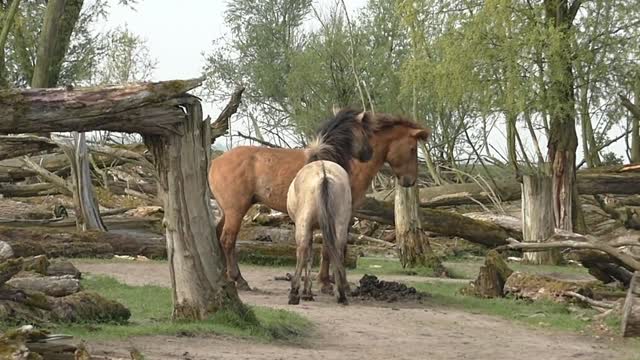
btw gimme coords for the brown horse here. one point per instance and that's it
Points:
(320, 197)
(247, 175)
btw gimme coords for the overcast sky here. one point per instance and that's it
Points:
(178, 32)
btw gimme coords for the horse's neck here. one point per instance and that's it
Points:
(364, 172)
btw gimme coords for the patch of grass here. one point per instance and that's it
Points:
(539, 313)
(151, 307)
(385, 266)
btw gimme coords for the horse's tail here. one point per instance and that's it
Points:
(327, 224)
(318, 149)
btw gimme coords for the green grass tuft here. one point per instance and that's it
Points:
(151, 307)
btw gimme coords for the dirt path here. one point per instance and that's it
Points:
(358, 331)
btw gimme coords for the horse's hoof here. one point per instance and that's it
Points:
(243, 285)
(327, 289)
(307, 297)
(343, 301)
(294, 300)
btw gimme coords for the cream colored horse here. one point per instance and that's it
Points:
(320, 197)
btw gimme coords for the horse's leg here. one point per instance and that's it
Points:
(230, 229)
(323, 276)
(307, 295)
(302, 245)
(339, 270)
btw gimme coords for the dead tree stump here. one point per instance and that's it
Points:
(631, 309)
(491, 278)
(196, 261)
(538, 223)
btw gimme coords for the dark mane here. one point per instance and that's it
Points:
(335, 138)
(383, 121)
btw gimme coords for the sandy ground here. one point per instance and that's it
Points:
(358, 331)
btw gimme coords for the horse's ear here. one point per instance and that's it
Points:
(362, 117)
(335, 109)
(420, 134)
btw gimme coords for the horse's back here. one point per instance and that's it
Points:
(254, 174)
(304, 191)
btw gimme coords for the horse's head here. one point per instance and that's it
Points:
(361, 148)
(344, 137)
(401, 139)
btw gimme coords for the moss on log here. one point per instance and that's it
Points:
(9, 269)
(537, 287)
(491, 278)
(56, 286)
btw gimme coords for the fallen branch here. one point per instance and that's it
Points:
(60, 183)
(359, 238)
(596, 303)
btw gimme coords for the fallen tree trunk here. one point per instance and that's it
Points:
(438, 221)
(42, 189)
(17, 146)
(32, 242)
(631, 309)
(56, 286)
(605, 180)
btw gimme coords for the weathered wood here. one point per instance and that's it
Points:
(631, 309)
(413, 245)
(196, 262)
(121, 108)
(87, 212)
(32, 242)
(16, 146)
(63, 267)
(9, 269)
(440, 222)
(537, 217)
(56, 286)
(221, 125)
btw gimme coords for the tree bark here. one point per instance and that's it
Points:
(221, 125)
(196, 262)
(413, 246)
(16, 146)
(631, 309)
(634, 109)
(537, 217)
(491, 277)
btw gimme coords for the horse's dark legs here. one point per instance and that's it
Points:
(229, 233)
(323, 276)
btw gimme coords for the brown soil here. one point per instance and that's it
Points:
(362, 330)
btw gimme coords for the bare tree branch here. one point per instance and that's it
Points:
(221, 125)
(262, 142)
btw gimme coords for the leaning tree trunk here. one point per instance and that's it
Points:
(196, 262)
(413, 246)
(537, 217)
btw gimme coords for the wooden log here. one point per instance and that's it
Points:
(56, 286)
(440, 222)
(624, 179)
(16, 146)
(631, 309)
(268, 253)
(537, 217)
(32, 242)
(123, 108)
